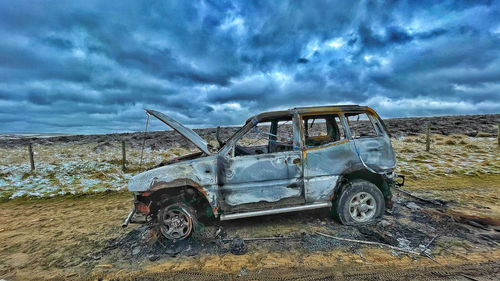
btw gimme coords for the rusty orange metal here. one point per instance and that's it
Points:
(327, 145)
(143, 208)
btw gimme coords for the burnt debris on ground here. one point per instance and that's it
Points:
(411, 225)
(146, 242)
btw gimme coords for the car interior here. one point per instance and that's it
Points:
(268, 136)
(322, 129)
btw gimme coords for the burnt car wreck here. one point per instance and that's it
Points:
(338, 157)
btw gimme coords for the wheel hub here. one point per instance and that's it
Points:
(362, 207)
(175, 223)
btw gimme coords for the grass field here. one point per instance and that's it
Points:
(95, 167)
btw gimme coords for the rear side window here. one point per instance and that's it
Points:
(322, 129)
(360, 125)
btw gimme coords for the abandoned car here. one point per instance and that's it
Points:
(338, 157)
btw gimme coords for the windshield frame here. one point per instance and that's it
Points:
(254, 121)
(236, 136)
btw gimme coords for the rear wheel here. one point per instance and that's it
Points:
(360, 203)
(177, 221)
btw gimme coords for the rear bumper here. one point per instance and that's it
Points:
(389, 181)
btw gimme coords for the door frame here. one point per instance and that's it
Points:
(226, 158)
(321, 188)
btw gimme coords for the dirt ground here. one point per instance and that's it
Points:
(81, 238)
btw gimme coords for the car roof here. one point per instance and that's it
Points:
(312, 109)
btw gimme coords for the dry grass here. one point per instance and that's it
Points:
(458, 169)
(76, 169)
(484, 135)
(449, 156)
(468, 194)
(73, 169)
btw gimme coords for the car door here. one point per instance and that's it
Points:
(261, 181)
(325, 162)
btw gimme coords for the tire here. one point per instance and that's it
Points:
(177, 221)
(360, 203)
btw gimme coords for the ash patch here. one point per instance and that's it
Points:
(320, 243)
(407, 226)
(401, 235)
(412, 225)
(147, 243)
(238, 246)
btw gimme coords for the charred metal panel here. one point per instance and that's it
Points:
(222, 166)
(267, 191)
(320, 188)
(297, 136)
(323, 166)
(377, 153)
(374, 152)
(181, 129)
(265, 177)
(198, 173)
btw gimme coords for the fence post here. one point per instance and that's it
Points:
(124, 156)
(32, 162)
(498, 135)
(428, 138)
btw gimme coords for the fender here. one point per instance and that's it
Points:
(210, 196)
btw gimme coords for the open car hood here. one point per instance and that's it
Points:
(181, 129)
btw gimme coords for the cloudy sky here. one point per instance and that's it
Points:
(92, 66)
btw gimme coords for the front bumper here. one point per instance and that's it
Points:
(140, 207)
(129, 217)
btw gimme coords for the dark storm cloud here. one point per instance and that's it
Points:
(394, 35)
(92, 66)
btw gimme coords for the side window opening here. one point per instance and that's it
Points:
(361, 126)
(281, 137)
(266, 137)
(322, 129)
(255, 138)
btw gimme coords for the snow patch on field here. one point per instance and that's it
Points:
(73, 169)
(87, 168)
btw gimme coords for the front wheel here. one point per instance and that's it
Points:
(177, 221)
(360, 203)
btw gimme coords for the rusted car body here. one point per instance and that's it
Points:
(307, 158)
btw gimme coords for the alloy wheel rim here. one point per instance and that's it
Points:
(362, 207)
(176, 223)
